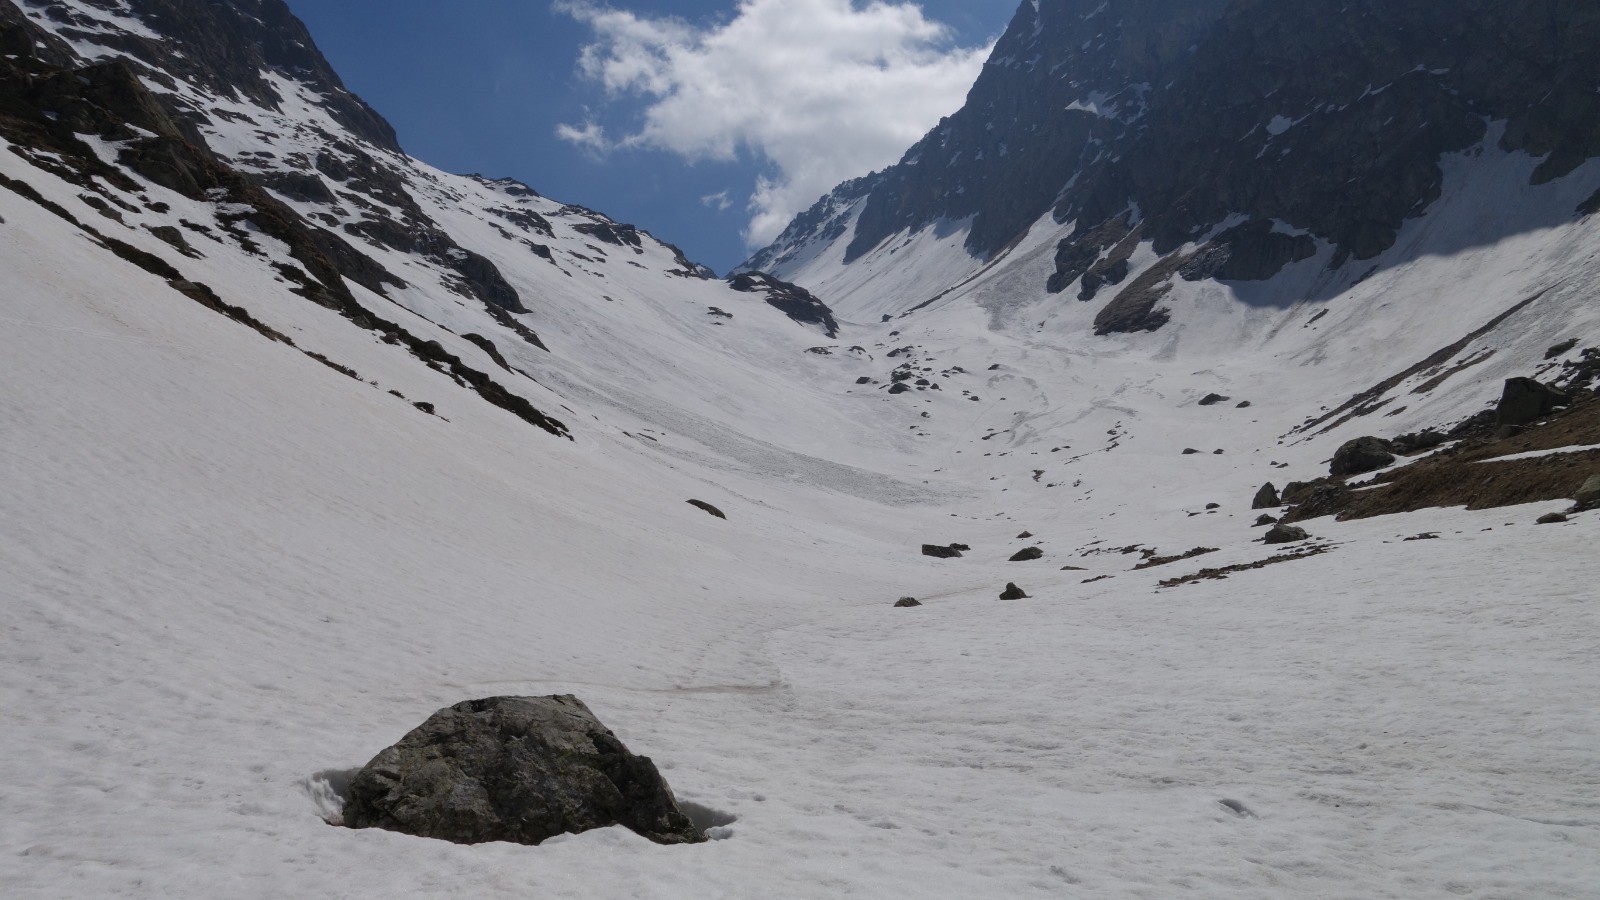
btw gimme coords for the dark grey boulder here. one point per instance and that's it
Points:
(907, 603)
(1025, 535)
(961, 547)
(1285, 534)
(1190, 451)
(1029, 554)
(1012, 592)
(1265, 520)
(1588, 496)
(1266, 498)
(517, 769)
(1364, 454)
(1214, 399)
(899, 389)
(1552, 519)
(1524, 401)
(938, 552)
(701, 504)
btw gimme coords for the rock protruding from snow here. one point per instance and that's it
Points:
(1525, 401)
(1027, 555)
(701, 504)
(1266, 498)
(1362, 455)
(907, 603)
(1012, 592)
(938, 552)
(1588, 496)
(517, 769)
(1286, 534)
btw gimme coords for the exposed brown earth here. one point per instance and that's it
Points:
(1476, 475)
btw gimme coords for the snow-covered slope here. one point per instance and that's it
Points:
(253, 533)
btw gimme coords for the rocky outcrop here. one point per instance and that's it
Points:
(517, 769)
(792, 300)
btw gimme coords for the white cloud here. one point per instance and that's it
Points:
(590, 135)
(822, 90)
(718, 201)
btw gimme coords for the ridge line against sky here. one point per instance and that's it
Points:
(710, 123)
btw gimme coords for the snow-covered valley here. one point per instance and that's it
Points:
(232, 572)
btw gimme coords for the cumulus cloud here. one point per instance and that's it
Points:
(819, 90)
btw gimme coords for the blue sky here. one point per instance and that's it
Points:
(705, 128)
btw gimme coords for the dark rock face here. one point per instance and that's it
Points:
(1027, 555)
(1286, 534)
(938, 552)
(1525, 401)
(1012, 592)
(792, 300)
(518, 769)
(1266, 498)
(1159, 120)
(701, 504)
(1364, 454)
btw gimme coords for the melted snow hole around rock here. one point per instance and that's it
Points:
(714, 823)
(327, 790)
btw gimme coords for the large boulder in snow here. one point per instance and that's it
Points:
(1524, 401)
(1364, 454)
(1266, 498)
(1588, 496)
(517, 769)
(938, 552)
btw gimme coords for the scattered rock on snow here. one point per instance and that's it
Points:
(1029, 554)
(1286, 534)
(1266, 498)
(906, 603)
(1012, 592)
(1025, 535)
(1214, 399)
(938, 552)
(707, 507)
(1425, 536)
(961, 547)
(1190, 451)
(1265, 520)
(1364, 454)
(1552, 519)
(517, 769)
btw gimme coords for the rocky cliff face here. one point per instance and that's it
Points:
(1232, 137)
